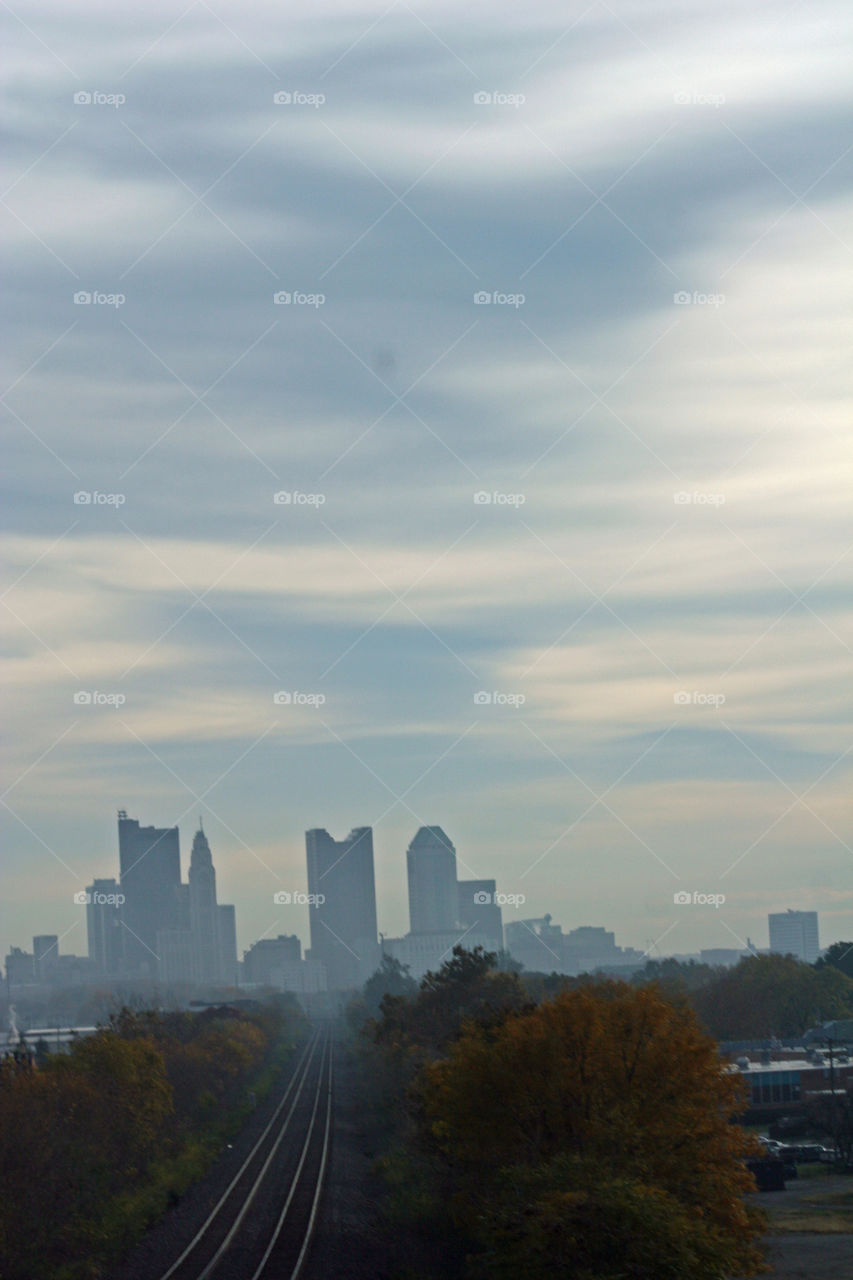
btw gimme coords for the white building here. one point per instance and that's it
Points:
(427, 952)
(795, 933)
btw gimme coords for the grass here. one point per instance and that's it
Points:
(818, 1213)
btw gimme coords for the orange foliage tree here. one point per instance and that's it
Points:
(592, 1136)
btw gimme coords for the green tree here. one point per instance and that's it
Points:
(839, 956)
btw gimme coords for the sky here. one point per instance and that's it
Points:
(424, 415)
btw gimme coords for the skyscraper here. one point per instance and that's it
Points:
(479, 912)
(342, 913)
(204, 913)
(103, 926)
(433, 895)
(150, 865)
(227, 945)
(795, 933)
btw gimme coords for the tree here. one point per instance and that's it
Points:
(391, 979)
(839, 956)
(772, 995)
(566, 1127)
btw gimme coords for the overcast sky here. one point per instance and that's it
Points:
(655, 199)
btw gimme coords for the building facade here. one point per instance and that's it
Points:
(795, 933)
(342, 905)
(433, 893)
(150, 869)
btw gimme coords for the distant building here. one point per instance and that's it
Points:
(433, 894)
(176, 953)
(477, 909)
(726, 956)
(45, 956)
(302, 977)
(150, 865)
(20, 968)
(268, 955)
(536, 943)
(204, 914)
(426, 952)
(228, 966)
(342, 910)
(795, 933)
(104, 928)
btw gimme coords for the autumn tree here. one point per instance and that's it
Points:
(591, 1136)
(839, 956)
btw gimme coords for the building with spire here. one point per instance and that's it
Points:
(204, 912)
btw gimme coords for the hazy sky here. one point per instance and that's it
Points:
(655, 197)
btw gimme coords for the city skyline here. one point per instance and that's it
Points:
(434, 423)
(292, 911)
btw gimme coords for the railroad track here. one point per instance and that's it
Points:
(261, 1226)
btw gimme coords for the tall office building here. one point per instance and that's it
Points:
(103, 927)
(479, 912)
(795, 933)
(150, 865)
(433, 895)
(342, 916)
(228, 970)
(45, 955)
(204, 913)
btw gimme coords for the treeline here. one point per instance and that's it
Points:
(587, 1133)
(95, 1143)
(761, 996)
